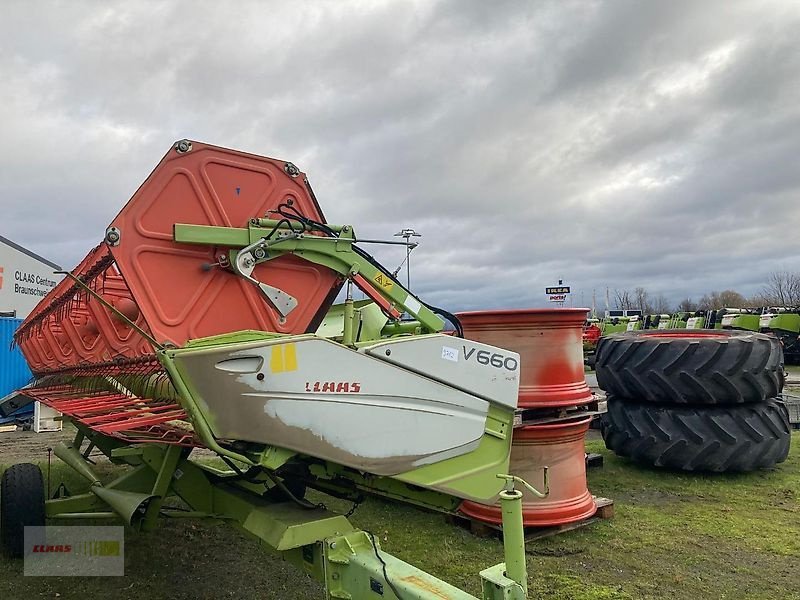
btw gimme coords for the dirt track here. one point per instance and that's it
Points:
(28, 446)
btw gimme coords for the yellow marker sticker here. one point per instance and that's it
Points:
(384, 281)
(283, 358)
(289, 358)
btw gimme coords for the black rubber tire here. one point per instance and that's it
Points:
(705, 367)
(21, 505)
(716, 439)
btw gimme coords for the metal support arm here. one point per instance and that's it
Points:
(335, 253)
(349, 562)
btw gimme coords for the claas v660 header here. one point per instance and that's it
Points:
(205, 318)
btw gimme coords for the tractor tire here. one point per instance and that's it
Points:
(716, 439)
(21, 505)
(702, 367)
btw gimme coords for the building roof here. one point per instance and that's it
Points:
(33, 255)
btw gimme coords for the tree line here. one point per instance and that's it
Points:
(781, 289)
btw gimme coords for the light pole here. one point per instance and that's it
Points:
(407, 234)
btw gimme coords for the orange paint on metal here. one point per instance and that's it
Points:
(31, 337)
(559, 446)
(550, 345)
(83, 333)
(119, 337)
(54, 334)
(78, 329)
(166, 289)
(208, 185)
(591, 334)
(42, 350)
(373, 294)
(127, 308)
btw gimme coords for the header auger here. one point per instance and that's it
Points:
(205, 318)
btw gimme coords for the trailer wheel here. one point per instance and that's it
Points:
(716, 439)
(21, 505)
(704, 367)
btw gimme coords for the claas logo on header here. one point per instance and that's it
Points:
(562, 289)
(1, 278)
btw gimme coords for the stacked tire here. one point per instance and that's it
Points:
(694, 400)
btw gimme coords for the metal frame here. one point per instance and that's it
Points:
(131, 401)
(347, 561)
(336, 253)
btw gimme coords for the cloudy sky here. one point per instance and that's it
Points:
(610, 144)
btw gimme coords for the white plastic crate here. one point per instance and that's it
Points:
(45, 418)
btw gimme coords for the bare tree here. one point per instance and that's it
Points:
(724, 299)
(758, 300)
(708, 301)
(782, 289)
(661, 305)
(687, 305)
(642, 300)
(623, 300)
(731, 299)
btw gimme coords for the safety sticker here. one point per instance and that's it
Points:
(384, 281)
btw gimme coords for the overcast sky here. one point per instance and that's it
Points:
(610, 144)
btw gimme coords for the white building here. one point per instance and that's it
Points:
(25, 278)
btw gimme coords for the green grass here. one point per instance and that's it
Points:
(674, 536)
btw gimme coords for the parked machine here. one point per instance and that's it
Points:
(591, 334)
(205, 319)
(747, 319)
(784, 323)
(616, 321)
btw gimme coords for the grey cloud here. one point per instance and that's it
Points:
(612, 144)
